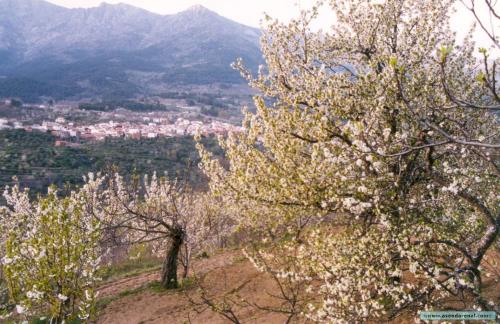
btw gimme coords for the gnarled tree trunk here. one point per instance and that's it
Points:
(185, 260)
(169, 269)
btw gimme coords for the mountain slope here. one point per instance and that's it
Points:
(115, 50)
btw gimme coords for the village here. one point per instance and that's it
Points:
(69, 134)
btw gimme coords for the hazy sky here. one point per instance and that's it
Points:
(250, 12)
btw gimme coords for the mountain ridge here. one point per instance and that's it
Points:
(116, 49)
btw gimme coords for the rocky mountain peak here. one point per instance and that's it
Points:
(116, 49)
(199, 10)
(197, 7)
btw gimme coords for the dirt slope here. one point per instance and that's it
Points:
(228, 272)
(134, 302)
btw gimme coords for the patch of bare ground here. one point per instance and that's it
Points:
(228, 273)
(221, 274)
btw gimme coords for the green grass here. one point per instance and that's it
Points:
(133, 291)
(46, 321)
(130, 268)
(102, 303)
(187, 283)
(154, 286)
(240, 258)
(184, 284)
(125, 269)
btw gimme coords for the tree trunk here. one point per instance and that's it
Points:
(169, 269)
(187, 255)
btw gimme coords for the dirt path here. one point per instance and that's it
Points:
(222, 273)
(121, 285)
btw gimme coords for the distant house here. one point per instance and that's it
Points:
(134, 133)
(87, 136)
(66, 144)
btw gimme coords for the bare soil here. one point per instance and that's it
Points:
(225, 274)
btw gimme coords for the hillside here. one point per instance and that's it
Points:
(37, 162)
(228, 276)
(116, 50)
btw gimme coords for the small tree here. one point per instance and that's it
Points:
(213, 225)
(16, 103)
(51, 255)
(164, 213)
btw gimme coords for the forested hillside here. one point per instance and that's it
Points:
(35, 160)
